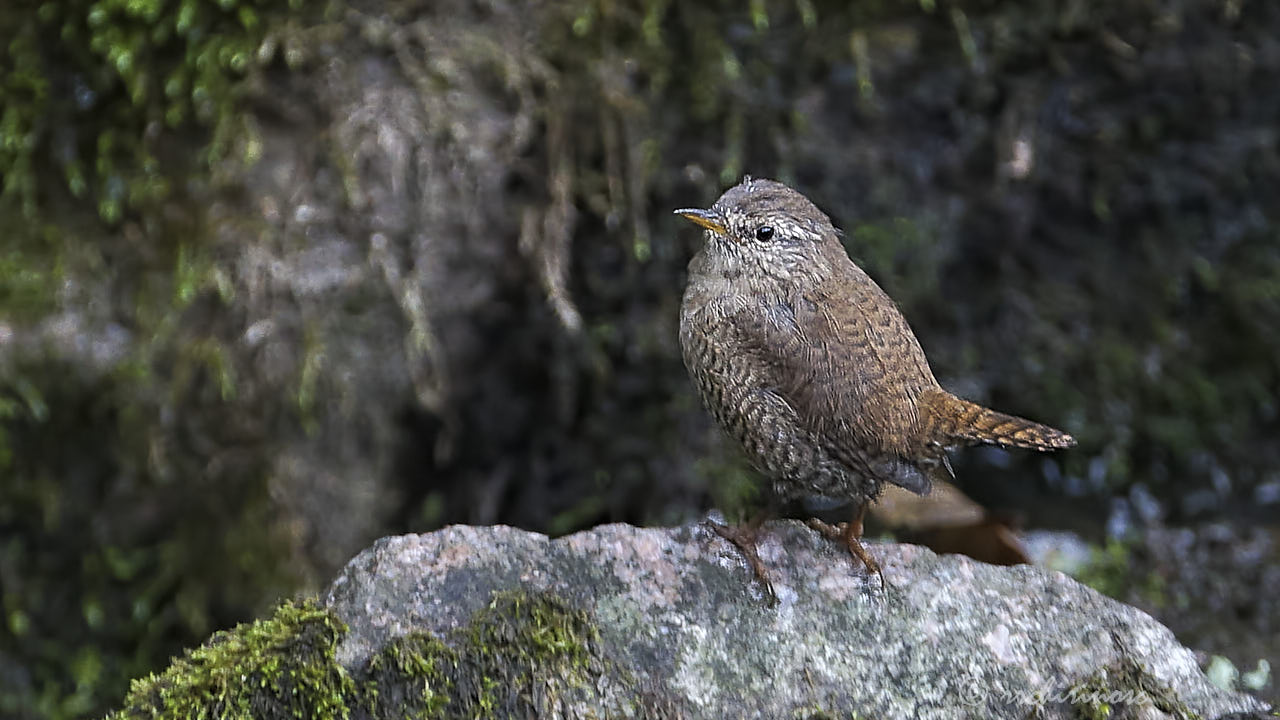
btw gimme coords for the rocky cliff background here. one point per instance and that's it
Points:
(277, 279)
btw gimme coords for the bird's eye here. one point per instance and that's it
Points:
(764, 233)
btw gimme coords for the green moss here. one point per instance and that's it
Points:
(520, 656)
(115, 113)
(25, 293)
(283, 667)
(516, 658)
(147, 71)
(521, 648)
(1119, 690)
(411, 677)
(111, 600)
(1110, 571)
(523, 655)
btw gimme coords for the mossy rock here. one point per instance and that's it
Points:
(1123, 690)
(524, 655)
(519, 657)
(282, 667)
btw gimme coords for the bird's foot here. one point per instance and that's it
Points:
(849, 534)
(746, 538)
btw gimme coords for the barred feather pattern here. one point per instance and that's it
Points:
(956, 421)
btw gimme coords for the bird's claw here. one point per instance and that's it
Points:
(849, 534)
(746, 538)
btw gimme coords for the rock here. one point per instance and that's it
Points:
(667, 622)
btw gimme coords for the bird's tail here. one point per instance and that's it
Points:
(955, 421)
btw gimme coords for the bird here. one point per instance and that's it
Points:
(804, 360)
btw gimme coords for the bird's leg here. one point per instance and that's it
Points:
(746, 537)
(850, 534)
(853, 540)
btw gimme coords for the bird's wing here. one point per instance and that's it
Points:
(846, 361)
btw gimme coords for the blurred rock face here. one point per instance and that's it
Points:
(431, 278)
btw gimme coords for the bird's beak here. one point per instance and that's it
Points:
(708, 219)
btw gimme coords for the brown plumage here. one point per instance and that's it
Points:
(804, 360)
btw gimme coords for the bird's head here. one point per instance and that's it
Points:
(763, 227)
